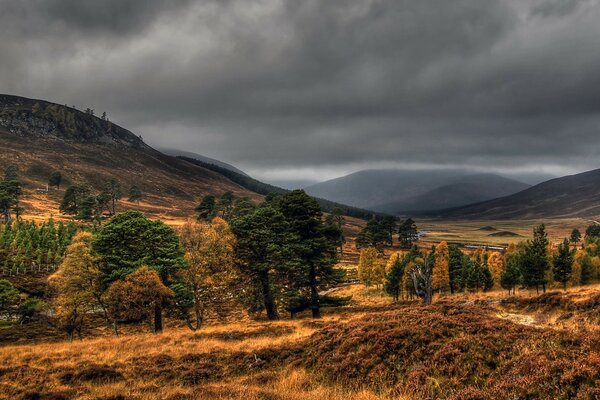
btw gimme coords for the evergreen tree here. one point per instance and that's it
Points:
(129, 241)
(315, 246)
(72, 199)
(262, 249)
(563, 263)
(511, 276)
(207, 208)
(408, 233)
(135, 194)
(575, 236)
(455, 263)
(535, 259)
(55, 179)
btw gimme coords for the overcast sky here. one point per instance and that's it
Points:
(315, 89)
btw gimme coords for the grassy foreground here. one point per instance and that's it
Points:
(463, 347)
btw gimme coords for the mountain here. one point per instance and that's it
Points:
(569, 196)
(292, 184)
(195, 156)
(265, 188)
(40, 137)
(397, 191)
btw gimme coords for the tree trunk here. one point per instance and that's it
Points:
(158, 326)
(199, 311)
(115, 327)
(314, 293)
(270, 307)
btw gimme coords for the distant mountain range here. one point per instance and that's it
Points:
(402, 191)
(569, 196)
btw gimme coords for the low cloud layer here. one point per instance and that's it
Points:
(313, 89)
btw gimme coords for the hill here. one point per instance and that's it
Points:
(196, 156)
(397, 191)
(264, 189)
(40, 137)
(570, 196)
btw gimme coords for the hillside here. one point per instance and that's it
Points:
(196, 156)
(397, 191)
(569, 196)
(40, 137)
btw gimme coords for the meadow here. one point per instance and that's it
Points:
(470, 346)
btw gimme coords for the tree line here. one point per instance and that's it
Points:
(447, 269)
(272, 257)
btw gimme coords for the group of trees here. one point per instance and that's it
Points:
(447, 269)
(82, 203)
(379, 233)
(27, 246)
(287, 252)
(274, 256)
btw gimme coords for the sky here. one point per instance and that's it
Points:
(311, 90)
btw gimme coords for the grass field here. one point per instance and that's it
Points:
(462, 347)
(471, 232)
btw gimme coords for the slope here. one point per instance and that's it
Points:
(40, 137)
(570, 196)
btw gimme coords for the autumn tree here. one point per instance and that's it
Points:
(441, 268)
(563, 263)
(367, 265)
(139, 297)
(209, 252)
(79, 286)
(130, 240)
(496, 265)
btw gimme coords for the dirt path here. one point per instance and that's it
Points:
(521, 319)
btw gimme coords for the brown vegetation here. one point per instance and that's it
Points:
(370, 349)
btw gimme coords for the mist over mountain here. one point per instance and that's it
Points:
(397, 191)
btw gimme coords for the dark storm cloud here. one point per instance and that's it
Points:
(317, 88)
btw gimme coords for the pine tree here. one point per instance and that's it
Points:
(535, 259)
(563, 263)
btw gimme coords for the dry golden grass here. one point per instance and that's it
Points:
(240, 360)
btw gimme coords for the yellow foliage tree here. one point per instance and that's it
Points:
(78, 285)
(139, 297)
(441, 268)
(576, 268)
(497, 265)
(367, 266)
(209, 251)
(393, 258)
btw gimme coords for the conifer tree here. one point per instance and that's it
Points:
(563, 263)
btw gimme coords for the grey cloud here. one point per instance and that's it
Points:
(332, 84)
